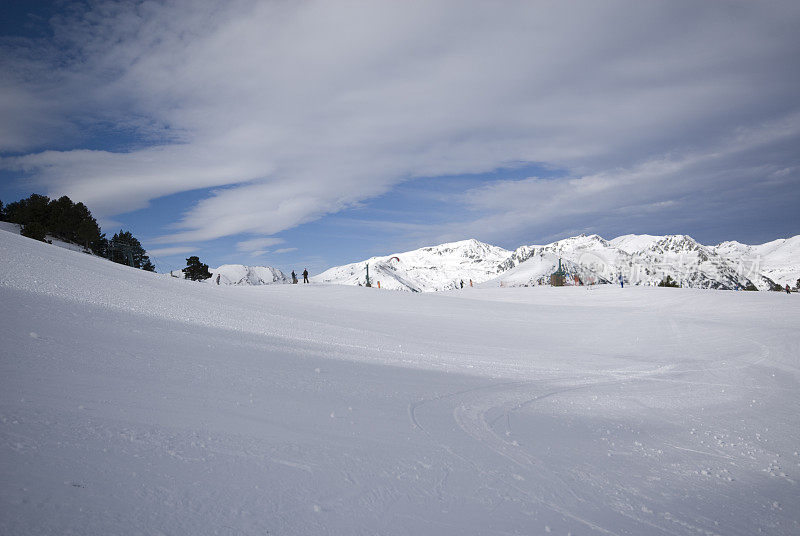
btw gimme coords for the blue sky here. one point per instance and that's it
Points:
(310, 134)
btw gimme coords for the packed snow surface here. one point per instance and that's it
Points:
(133, 403)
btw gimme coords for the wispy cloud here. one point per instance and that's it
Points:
(681, 186)
(258, 244)
(176, 250)
(284, 250)
(295, 110)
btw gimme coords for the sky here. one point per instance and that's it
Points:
(317, 133)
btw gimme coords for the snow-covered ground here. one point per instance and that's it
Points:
(133, 403)
(16, 229)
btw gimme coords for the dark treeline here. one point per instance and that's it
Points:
(39, 216)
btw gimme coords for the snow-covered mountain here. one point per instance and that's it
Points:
(426, 269)
(537, 268)
(590, 257)
(778, 260)
(639, 259)
(239, 274)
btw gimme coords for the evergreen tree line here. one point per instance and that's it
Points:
(39, 216)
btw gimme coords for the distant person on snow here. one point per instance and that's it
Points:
(305, 275)
(788, 290)
(294, 278)
(470, 282)
(621, 282)
(217, 279)
(462, 283)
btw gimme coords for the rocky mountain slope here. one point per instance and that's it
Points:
(778, 260)
(639, 259)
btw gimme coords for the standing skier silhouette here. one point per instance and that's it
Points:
(305, 275)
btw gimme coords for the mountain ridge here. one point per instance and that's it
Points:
(639, 259)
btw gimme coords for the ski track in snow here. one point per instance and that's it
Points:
(470, 410)
(139, 404)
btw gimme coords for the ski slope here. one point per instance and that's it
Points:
(136, 403)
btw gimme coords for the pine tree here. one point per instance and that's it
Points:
(60, 218)
(34, 230)
(59, 222)
(87, 233)
(668, 282)
(196, 270)
(26, 211)
(124, 248)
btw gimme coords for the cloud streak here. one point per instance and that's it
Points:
(175, 250)
(291, 111)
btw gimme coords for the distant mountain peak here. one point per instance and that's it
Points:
(640, 259)
(239, 274)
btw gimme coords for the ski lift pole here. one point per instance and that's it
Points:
(368, 283)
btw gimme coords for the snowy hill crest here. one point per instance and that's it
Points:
(426, 269)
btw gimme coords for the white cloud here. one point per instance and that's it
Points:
(294, 110)
(165, 252)
(257, 244)
(285, 250)
(726, 174)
